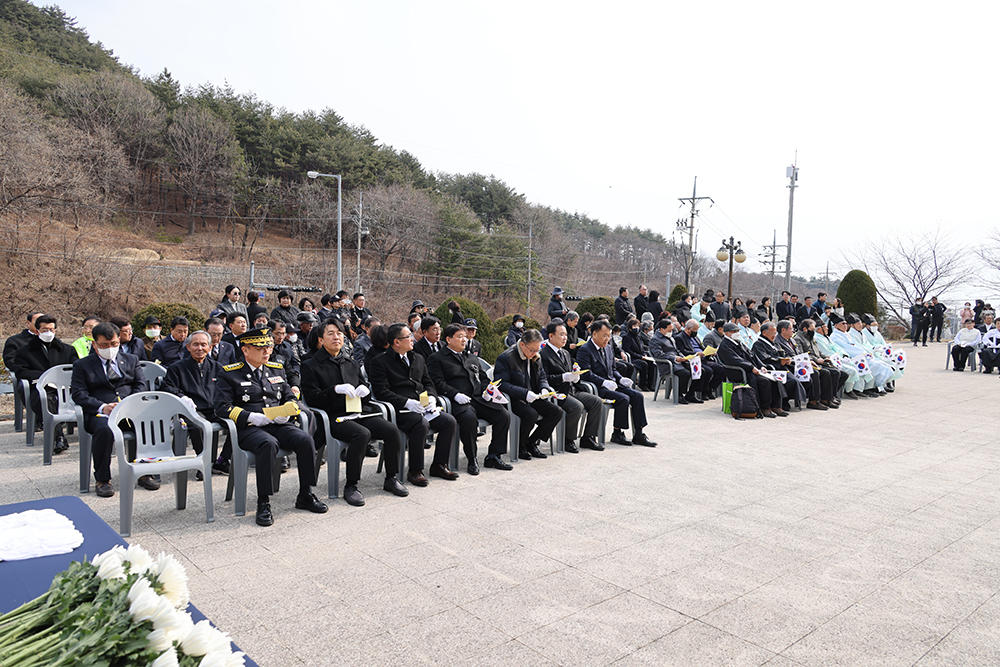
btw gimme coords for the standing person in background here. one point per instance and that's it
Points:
(231, 301)
(721, 308)
(915, 314)
(557, 307)
(937, 318)
(978, 312)
(641, 302)
(923, 319)
(838, 307)
(254, 309)
(82, 344)
(654, 305)
(785, 310)
(516, 330)
(623, 307)
(284, 311)
(966, 313)
(456, 313)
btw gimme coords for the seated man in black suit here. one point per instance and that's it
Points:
(99, 382)
(772, 355)
(712, 373)
(632, 346)
(129, 343)
(238, 325)
(825, 375)
(595, 356)
(399, 376)
(243, 390)
(522, 380)
(167, 351)
(18, 340)
(430, 337)
(194, 379)
(558, 365)
(734, 353)
(41, 353)
(459, 376)
(663, 349)
(329, 377)
(221, 352)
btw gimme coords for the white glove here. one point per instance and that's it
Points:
(431, 402)
(462, 399)
(570, 377)
(281, 420)
(188, 403)
(627, 383)
(361, 391)
(413, 405)
(346, 390)
(610, 385)
(531, 397)
(258, 419)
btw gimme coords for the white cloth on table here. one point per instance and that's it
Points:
(36, 533)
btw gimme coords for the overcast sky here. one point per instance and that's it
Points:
(612, 109)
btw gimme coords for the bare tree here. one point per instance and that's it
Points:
(204, 150)
(912, 267)
(987, 252)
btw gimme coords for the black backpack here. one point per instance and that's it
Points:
(743, 403)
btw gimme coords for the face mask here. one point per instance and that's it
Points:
(293, 338)
(108, 354)
(152, 333)
(874, 327)
(47, 336)
(519, 325)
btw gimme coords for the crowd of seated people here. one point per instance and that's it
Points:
(343, 359)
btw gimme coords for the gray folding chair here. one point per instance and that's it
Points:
(590, 387)
(21, 402)
(58, 378)
(155, 419)
(670, 379)
(152, 372)
(333, 448)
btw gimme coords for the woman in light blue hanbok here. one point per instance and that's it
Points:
(881, 370)
(874, 337)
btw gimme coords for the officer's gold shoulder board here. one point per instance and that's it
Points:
(274, 364)
(233, 367)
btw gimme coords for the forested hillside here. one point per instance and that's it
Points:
(201, 180)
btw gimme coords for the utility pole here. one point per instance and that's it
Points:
(792, 174)
(688, 225)
(771, 251)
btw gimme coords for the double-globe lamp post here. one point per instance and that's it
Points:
(730, 251)
(340, 259)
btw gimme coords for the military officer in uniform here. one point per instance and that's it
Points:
(244, 389)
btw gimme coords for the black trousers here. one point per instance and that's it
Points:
(265, 441)
(713, 374)
(574, 406)
(357, 434)
(989, 359)
(936, 326)
(416, 429)
(540, 415)
(51, 402)
(102, 445)
(960, 355)
(645, 369)
(626, 401)
(468, 417)
(922, 328)
(768, 394)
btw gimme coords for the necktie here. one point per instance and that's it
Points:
(113, 376)
(215, 352)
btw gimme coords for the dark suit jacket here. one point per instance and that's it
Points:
(784, 310)
(769, 354)
(720, 310)
(184, 379)
(30, 360)
(135, 347)
(663, 349)
(454, 374)
(321, 373)
(12, 344)
(555, 362)
(90, 385)
(595, 359)
(518, 376)
(622, 309)
(733, 353)
(687, 345)
(167, 352)
(423, 348)
(393, 382)
(633, 345)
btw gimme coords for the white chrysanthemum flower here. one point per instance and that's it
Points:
(168, 619)
(167, 659)
(159, 640)
(199, 640)
(144, 600)
(184, 626)
(235, 659)
(171, 576)
(215, 659)
(219, 641)
(109, 563)
(138, 559)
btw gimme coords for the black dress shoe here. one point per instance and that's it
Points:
(572, 448)
(473, 468)
(683, 401)
(351, 495)
(493, 461)
(523, 455)
(199, 476)
(619, 438)
(147, 482)
(780, 412)
(769, 414)
(850, 395)
(343, 454)
(371, 452)
(643, 439)
(286, 465)
(264, 516)
(441, 470)
(816, 405)
(104, 489)
(416, 478)
(220, 467)
(395, 487)
(60, 445)
(590, 442)
(694, 399)
(309, 501)
(536, 453)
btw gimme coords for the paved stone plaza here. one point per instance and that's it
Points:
(864, 536)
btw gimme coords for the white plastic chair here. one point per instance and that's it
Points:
(59, 378)
(151, 372)
(155, 417)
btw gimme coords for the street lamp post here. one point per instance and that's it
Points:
(340, 229)
(362, 231)
(730, 251)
